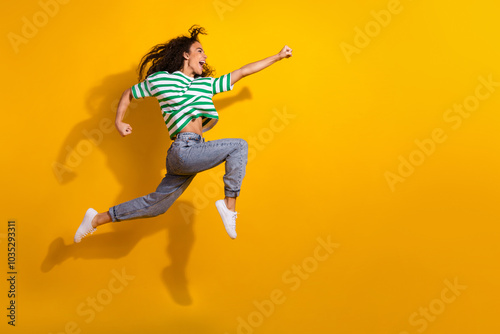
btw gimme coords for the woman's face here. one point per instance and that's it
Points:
(196, 58)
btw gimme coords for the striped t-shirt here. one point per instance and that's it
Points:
(183, 98)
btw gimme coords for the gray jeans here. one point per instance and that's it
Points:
(189, 154)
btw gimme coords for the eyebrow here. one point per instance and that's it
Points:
(200, 49)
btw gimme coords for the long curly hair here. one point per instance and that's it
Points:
(170, 55)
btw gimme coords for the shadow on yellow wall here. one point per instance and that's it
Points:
(117, 244)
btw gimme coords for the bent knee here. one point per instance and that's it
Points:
(243, 145)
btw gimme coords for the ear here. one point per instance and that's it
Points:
(186, 55)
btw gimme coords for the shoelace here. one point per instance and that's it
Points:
(233, 219)
(89, 232)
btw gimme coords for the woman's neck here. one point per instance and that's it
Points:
(188, 71)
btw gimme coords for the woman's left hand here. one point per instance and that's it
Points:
(286, 52)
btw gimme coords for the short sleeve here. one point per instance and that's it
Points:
(141, 90)
(222, 84)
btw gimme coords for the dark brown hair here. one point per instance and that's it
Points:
(170, 55)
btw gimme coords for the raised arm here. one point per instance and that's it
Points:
(257, 66)
(123, 128)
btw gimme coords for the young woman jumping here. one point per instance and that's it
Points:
(179, 77)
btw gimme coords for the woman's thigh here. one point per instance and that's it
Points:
(192, 157)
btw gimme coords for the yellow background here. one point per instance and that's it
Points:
(320, 173)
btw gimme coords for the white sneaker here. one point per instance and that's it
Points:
(228, 218)
(86, 226)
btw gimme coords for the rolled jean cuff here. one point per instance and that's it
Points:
(112, 213)
(230, 193)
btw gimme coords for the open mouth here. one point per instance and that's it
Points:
(202, 63)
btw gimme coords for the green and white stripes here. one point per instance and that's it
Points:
(182, 98)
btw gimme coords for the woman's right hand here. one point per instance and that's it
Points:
(123, 128)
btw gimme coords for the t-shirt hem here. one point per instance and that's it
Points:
(204, 128)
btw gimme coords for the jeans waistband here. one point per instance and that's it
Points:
(188, 135)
